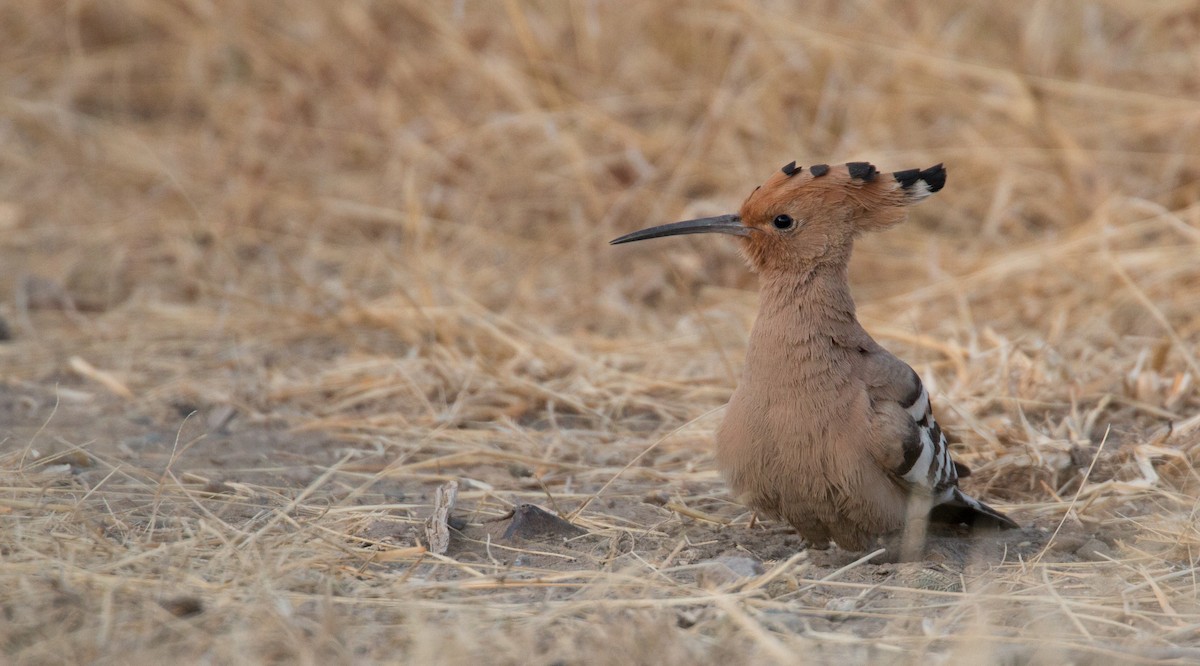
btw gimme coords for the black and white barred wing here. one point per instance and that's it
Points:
(927, 466)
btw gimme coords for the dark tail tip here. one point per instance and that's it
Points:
(966, 510)
(948, 514)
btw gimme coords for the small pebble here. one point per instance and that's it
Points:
(519, 471)
(728, 569)
(1095, 550)
(1067, 544)
(840, 606)
(183, 606)
(657, 497)
(533, 522)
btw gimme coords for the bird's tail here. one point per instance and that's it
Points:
(960, 507)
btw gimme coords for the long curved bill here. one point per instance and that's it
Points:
(722, 224)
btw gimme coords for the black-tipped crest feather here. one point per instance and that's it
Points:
(862, 170)
(934, 177)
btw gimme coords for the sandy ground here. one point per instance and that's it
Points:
(275, 275)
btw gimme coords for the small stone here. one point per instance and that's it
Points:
(656, 497)
(78, 459)
(742, 566)
(686, 619)
(519, 471)
(183, 606)
(217, 487)
(533, 522)
(1096, 550)
(840, 606)
(727, 569)
(1067, 543)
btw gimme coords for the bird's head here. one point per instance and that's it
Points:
(801, 218)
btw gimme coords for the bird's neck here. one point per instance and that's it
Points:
(799, 342)
(794, 307)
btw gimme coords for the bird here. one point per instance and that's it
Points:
(826, 429)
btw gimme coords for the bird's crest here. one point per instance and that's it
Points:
(803, 216)
(854, 182)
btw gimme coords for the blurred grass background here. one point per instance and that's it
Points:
(387, 221)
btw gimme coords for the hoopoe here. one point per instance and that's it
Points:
(827, 430)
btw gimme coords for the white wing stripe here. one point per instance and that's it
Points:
(916, 411)
(919, 473)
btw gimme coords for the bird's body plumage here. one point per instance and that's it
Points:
(827, 430)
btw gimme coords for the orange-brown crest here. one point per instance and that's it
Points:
(804, 217)
(801, 218)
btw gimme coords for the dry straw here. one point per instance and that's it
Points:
(273, 272)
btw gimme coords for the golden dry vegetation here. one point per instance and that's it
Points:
(272, 272)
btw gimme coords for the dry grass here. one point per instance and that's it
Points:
(364, 245)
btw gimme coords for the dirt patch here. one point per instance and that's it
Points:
(340, 521)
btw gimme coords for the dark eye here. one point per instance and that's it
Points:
(783, 222)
